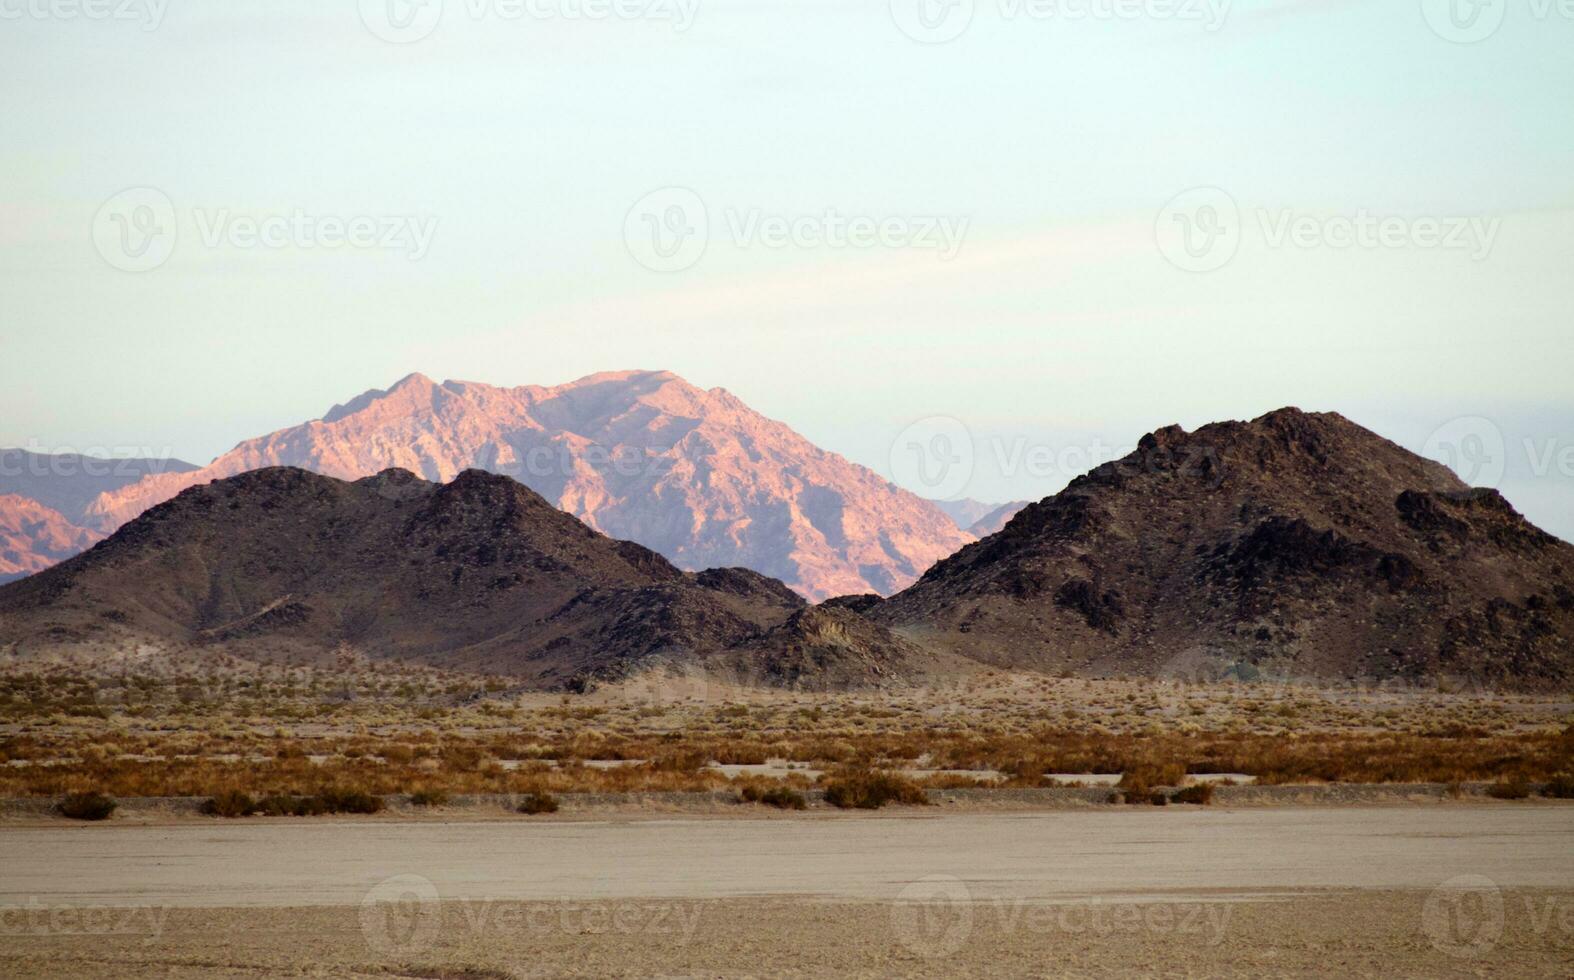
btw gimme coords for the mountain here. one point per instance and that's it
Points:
(68, 483)
(645, 456)
(996, 519)
(1296, 544)
(33, 537)
(44, 499)
(964, 511)
(281, 564)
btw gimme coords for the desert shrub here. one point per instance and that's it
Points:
(351, 801)
(1024, 772)
(461, 757)
(399, 755)
(1560, 787)
(429, 797)
(328, 801)
(87, 806)
(1509, 789)
(780, 797)
(955, 780)
(679, 761)
(1142, 777)
(1140, 783)
(231, 803)
(1201, 795)
(280, 805)
(866, 789)
(534, 803)
(740, 754)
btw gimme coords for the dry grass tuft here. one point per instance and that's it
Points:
(231, 803)
(87, 806)
(536, 803)
(866, 789)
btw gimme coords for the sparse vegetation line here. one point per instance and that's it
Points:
(286, 740)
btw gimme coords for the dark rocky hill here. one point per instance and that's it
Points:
(480, 573)
(1297, 544)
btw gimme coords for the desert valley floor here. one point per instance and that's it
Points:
(1441, 891)
(1379, 831)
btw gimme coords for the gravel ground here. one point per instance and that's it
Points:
(1463, 890)
(1343, 933)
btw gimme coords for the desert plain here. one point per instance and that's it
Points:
(1400, 831)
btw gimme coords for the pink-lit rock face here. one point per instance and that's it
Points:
(33, 537)
(640, 455)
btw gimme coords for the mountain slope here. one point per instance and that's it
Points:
(1296, 543)
(479, 574)
(44, 499)
(68, 483)
(996, 519)
(964, 511)
(33, 537)
(695, 475)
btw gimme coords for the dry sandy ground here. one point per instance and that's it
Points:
(1394, 891)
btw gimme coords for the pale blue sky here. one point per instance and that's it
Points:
(1059, 321)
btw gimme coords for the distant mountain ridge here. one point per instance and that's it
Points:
(1295, 545)
(994, 520)
(645, 456)
(33, 537)
(965, 511)
(69, 483)
(44, 499)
